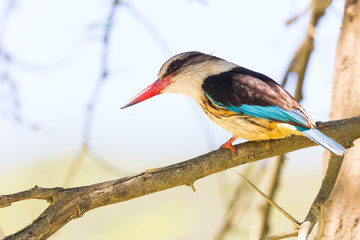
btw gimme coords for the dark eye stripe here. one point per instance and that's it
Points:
(178, 63)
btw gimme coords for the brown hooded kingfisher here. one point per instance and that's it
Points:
(247, 104)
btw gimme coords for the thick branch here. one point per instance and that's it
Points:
(71, 203)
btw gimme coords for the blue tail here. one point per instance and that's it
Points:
(323, 140)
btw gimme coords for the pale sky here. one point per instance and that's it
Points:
(58, 47)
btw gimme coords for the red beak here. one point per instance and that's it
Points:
(152, 90)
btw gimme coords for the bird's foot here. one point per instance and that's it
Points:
(229, 145)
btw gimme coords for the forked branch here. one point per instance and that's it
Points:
(70, 203)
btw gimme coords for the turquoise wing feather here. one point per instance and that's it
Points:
(294, 117)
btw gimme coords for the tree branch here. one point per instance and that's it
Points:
(301, 58)
(70, 203)
(297, 65)
(327, 186)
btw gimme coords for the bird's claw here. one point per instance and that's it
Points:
(228, 146)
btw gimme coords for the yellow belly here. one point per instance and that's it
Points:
(252, 128)
(247, 127)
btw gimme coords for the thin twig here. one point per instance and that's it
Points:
(149, 27)
(275, 205)
(86, 149)
(296, 17)
(237, 203)
(323, 195)
(9, 91)
(8, 85)
(71, 203)
(299, 65)
(301, 58)
(321, 218)
(270, 183)
(94, 98)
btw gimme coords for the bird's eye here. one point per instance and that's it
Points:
(176, 65)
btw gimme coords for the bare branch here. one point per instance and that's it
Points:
(323, 195)
(316, 210)
(301, 58)
(94, 98)
(270, 183)
(275, 205)
(241, 199)
(86, 149)
(296, 17)
(34, 193)
(298, 65)
(150, 28)
(9, 91)
(70, 203)
(104, 72)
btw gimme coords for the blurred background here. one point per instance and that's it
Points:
(66, 68)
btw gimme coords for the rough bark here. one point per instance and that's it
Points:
(71, 203)
(342, 213)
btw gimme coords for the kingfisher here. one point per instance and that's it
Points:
(247, 104)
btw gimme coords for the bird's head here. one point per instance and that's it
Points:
(184, 73)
